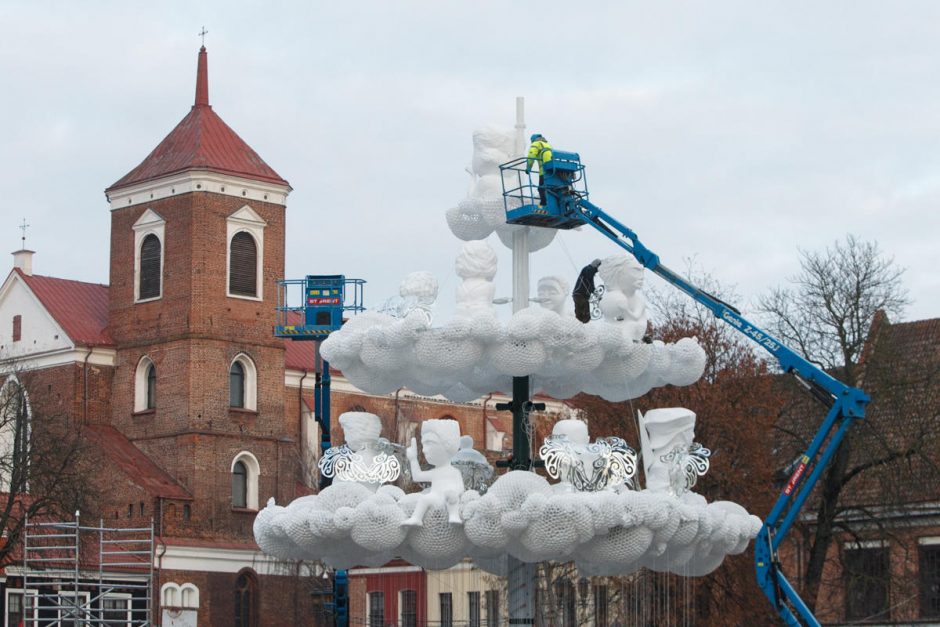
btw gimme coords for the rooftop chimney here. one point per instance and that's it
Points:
(23, 259)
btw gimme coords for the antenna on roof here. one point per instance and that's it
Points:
(203, 34)
(23, 228)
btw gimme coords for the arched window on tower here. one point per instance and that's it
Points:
(243, 265)
(151, 386)
(145, 385)
(243, 383)
(236, 385)
(245, 602)
(150, 267)
(239, 485)
(245, 474)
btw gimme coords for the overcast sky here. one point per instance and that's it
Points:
(732, 132)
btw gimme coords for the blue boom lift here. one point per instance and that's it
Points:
(567, 206)
(325, 299)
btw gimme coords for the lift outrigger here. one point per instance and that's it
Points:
(567, 206)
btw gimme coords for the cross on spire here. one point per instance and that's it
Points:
(203, 34)
(23, 228)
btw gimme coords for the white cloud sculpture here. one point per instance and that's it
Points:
(475, 354)
(605, 533)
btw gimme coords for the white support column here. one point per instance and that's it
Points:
(522, 576)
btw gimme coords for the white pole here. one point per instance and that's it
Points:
(520, 237)
(522, 576)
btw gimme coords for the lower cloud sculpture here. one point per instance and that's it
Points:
(608, 530)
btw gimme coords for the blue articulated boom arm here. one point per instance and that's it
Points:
(845, 404)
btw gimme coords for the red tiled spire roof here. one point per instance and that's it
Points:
(201, 141)
(81, 309)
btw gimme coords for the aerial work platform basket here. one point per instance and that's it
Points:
(564, 185)
(311, 308)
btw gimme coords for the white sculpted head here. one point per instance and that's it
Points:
(553, 293)
(360, 429)
(420, 286)
(477, 260)
(575, 430)
(622, 272)
(491, 147)
(440, 440)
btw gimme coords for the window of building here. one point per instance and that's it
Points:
(240, 485)
(473, 609)
(929, 562)
(20, 608)
(145, 385)
(409, 608)
(150, 268)
(17, 328)
(866, 583)
(243, 383)
(376, 609)
(492, 608)
(148, 256)
(243, 267)
(175, 596)
(245, 473)
(187, 511)
(565, 602)
(151, 387)
(245, 232)
(116, 610)
(73, 610)
(447, 609)
(600, 606)
(245, 590)
(236, 385)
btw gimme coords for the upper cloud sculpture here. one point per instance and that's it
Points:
(475, 353)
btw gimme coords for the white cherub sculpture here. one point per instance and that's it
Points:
(553, 293)
(440, 441)
(671, 460)
(475, 217)
(418, 291)
(476, 265)
(581, 466)
(623, 303)
(365, 458)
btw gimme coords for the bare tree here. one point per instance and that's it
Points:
(827, 314)
(42, 469)
(829, 309)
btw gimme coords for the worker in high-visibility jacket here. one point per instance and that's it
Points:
(540, 151)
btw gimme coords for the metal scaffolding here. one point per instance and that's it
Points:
(87, 575)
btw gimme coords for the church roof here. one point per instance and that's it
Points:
(201, 141)
(81, 309)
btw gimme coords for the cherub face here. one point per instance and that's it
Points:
(435, 449)
(551, 296)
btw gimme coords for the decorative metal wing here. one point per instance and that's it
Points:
(477, 475)
(594, 301)
(341, 462)
(606, 463)
(687, 464)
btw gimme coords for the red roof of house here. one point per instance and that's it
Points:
(81, 309)
(138, 467)
(201, 141)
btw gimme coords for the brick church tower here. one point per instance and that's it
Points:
(197, 245)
